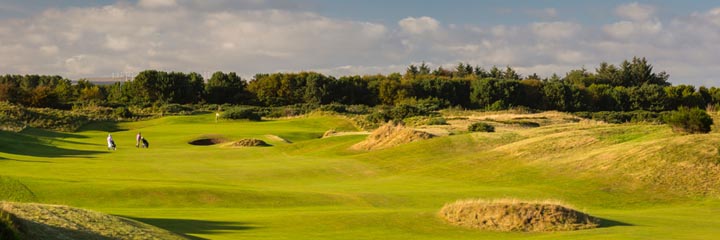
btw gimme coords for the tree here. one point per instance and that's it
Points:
(580, 78)
(411, 71)
(496, 73)
(225, 88)
(488, 91)
(423, 69)
(511, 74)
(91, 94)
(42, 96)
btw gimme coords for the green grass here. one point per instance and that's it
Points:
(645, 181)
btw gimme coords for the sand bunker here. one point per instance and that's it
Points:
(516, 216)
(208, 140)
(389, 135)
(250, 142)
(40, 221)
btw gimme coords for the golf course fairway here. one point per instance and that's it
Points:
(642, 180)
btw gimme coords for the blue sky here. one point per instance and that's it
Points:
(106, 38)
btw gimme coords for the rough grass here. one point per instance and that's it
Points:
(40, 221)
(513, 215)
(645, 180)
(249, 142)
(389, 135)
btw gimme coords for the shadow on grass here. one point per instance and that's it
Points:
(184, 227)
(606, 223)
(28, 143)
(104, 126)
(36, 132)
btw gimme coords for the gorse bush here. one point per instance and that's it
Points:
(241, 113)
(481, 127)
(689, 120)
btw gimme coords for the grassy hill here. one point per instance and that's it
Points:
(643, 181)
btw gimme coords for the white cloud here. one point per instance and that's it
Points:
(555, 30)
(543, 13)
(157, 3)
(49, 49)
(627, 29)
(79, 64)
(117, 43)
(635, 11)
(419, 25)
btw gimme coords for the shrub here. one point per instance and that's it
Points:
(623, 117)
(174, 108)
(689, 120)
(497, 106)
(402, 111)
(333, 107)
(122, 112)
(378, 117)
(241, 113)
(358, 109)
(481, 127)
(437, 121)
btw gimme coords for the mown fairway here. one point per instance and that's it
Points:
(316, 188)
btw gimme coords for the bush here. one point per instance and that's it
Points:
(402, 111)
(623, 117)
(378, 117)
(481, 127)
(437, 121)
(689, 120)
(498, 105)
(358, 109)
(122, 112)
(241, 113)
(14, 116)
(333, 107)
(176, 109)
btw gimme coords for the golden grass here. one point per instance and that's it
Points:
(42, 221)
(249, 142)
(390, 135)
(514, 215)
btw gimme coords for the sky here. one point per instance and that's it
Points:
(87, 39)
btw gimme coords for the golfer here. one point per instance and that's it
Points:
(137, 139)
(111, 142)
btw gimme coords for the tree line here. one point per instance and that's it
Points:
(631, 85)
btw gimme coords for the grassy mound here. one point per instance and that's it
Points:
(390, 135)
(250, 142)
(208, 140)
(39, 221)
(516, 216)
